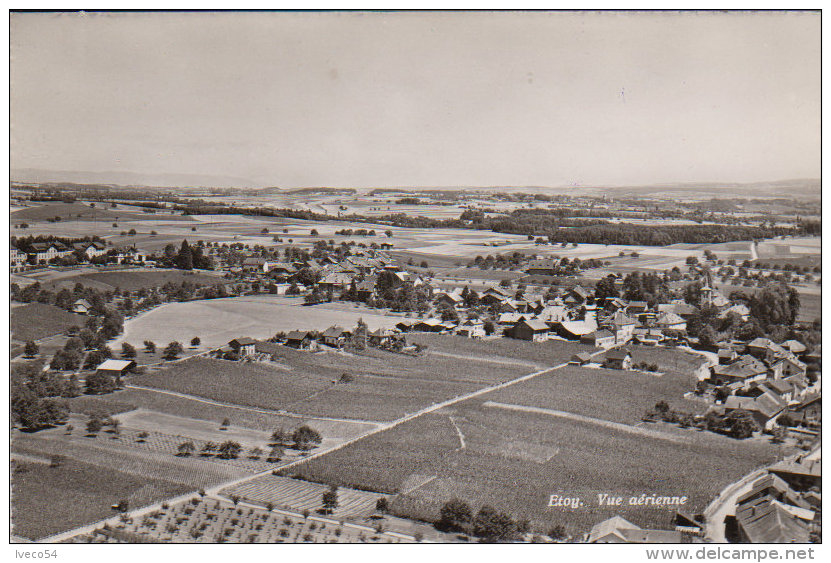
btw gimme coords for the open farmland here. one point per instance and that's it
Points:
(514, 461)
(135, 279)
(47, 500)
(385, 385)
(217, 321)
(39, 320)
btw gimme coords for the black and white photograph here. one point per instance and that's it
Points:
(416, 277)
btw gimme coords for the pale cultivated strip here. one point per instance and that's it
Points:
(580, 418)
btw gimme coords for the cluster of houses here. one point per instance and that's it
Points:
(782, 506)
(769, 380)
(41, 253)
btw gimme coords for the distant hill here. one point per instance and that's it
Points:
(37, 176)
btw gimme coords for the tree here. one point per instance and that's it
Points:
(382, 505)
(489, 327)
(186, 448)
(305, 438)
(99, 383)
(31, 349)
(776, 305)
(455, 515)
(279, 437)
(493, 526)
(275, 454)
(741, 424)
(195, 341)
(150, 346)
(184, 259)
(606, 288)
(330, 500)
(229, 450)
(33, 412)
(128, 350)
(172, 351)
(662, 407)
(94, 425)
(208, 449)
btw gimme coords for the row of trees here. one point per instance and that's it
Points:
(488, 524)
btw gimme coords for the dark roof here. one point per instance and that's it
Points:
(297, 335)
(617, 354)
(245, 341)
(333, 332)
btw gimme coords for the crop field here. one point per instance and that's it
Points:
(47, 500)
(298, 495)
(39, 320)
(217, 321)
(210, 521)
(385, 385)
(66, 211)
(617, 396)
(132, 280)
(514, 461)
(549, 353)
(131, 399)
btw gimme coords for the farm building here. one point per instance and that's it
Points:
(81, 307)
(763, 408)
(115, 368)
(428, 325)
(335, 336)
(243, 346)
(581, 358)
(381, 337)
(618, 530)
(533, 330)
(671, 321)
(618, 359)
(573, 330)
(746, 370)
(599, 338)
(300, 339)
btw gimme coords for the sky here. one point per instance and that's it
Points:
(350, 99)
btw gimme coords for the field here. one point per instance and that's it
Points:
(130, 399)
(39, 320)
(217, 321)
(385, 385)
(132, 280)
(47, 500)
(514, 461)
(210, 521)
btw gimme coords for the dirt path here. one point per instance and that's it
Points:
(600, 422)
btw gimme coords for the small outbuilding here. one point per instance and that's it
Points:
(115, 368)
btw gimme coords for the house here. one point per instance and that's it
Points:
(243, 346)
(428, 325)
(45, 251)
(17, 259)
(533, 330)
(636, 307)
(581, 358)
(671, 321)
(764, 349)
(494, 295)
(683, 310)
(471, 329)
(115, 368)
(764, 408)
(553, 313)
(622, 326)
(795, 347)
(614, 304)
(726, 356)
(381, 337)
(511, 318)
(81, 306)
(618, 530)
(335, 336)
(336, 281)
(545, 267)
(599, 338)
(405, 325)
(739, 309)
(578, 294)
(451, 299)
(765, 520)
(800, 475)
(300, 339)
(648, 336)
(255, 265)
(365, 290)
(618, 359)
(808, 412)
(573, 330)
(90, 249)
(281, 270)
(788, 366)
(746, 369)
